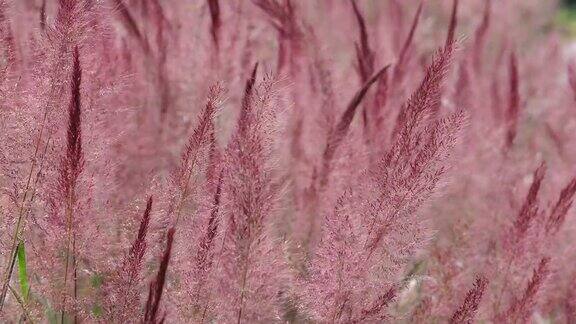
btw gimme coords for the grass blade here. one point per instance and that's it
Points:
(23, 271)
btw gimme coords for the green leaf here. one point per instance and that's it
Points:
(22, 271)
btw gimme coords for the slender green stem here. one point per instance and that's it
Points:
(23, 212)
(244, 281)
(70, 244)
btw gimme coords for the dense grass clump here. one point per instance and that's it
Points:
(273, 161)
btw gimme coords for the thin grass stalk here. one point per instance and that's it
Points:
(212, 227)
(22, 304)
(196, 141)
(365, 59)
(43, 15)
(522, 307)
(72, 167)
(22, 213)
(49, 106)
(131, 26)
(23, 210)
(480, 36)
(336, 137)
(157, 286)
(453, 24)
(404, 52)
(203, 257)
(513, 112)
(244, 280)
(214, 7)
(521, 225)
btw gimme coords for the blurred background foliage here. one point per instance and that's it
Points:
(567, 16)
